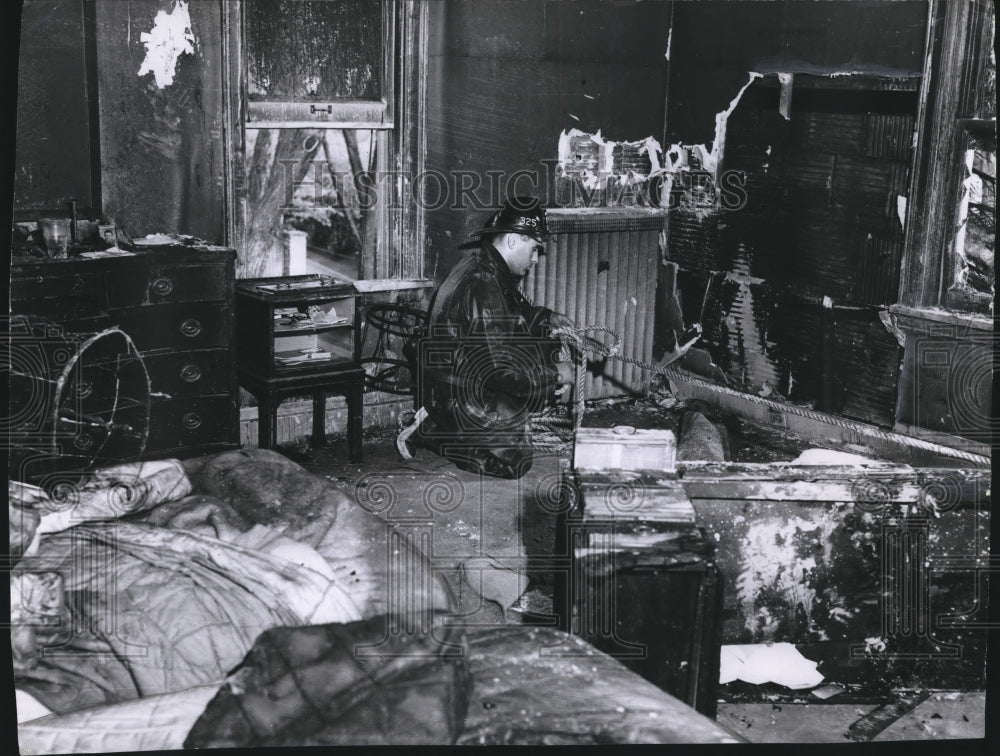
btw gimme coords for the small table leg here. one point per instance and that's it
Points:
(267, 422)
(319, 419)
(355, 425)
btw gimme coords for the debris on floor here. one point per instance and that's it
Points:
(701, 439)
(494, 581)
(768, 662)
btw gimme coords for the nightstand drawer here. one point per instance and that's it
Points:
(164, 284)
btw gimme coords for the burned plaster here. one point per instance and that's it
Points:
(170, 37)
(692, 170)
(596, 164)
(596, 172)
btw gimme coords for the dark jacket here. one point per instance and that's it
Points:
(485, 363)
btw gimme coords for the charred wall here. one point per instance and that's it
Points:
(97, 125)
(506, 77)
(788, 279)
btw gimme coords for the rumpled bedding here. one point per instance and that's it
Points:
(126, 591)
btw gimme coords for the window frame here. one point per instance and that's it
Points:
(957, 42)
(399, 135)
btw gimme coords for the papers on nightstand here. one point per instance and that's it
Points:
(289, 318)
(304, 355)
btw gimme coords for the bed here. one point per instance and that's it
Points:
(238, 600)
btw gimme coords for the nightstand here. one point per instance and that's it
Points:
(298, 336)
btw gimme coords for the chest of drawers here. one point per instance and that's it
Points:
(122, 357)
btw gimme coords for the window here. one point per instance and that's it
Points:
(950, 227)
(326, 128)
(319, 62)
(972, 270)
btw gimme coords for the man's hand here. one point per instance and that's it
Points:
(558, 320)
(565, 377)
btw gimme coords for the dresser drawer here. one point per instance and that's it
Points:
(181, 425)
(176, 374)
(55, 285)
(193, 373)
(176, 426)
(165, 284)
(179, 327)
(58, 295)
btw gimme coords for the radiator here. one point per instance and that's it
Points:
(600, 268)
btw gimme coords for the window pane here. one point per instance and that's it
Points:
(308, 180)
(314, 49)
(975, 238)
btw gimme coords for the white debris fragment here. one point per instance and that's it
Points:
(170, 37)
(829, 457)
(721, 119)
(772, 662)
(652, 148)
(785, 79)
(901, 210)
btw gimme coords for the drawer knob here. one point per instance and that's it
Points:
(191, 420)
(191, 327)
(163, 286)
(190, 373)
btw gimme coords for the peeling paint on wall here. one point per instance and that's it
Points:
(780, 558)
(721, 118)
(691, 170)
(170, 37)
(596, 164)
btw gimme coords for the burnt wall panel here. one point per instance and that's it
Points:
(817, 240)
(885, 39)
(828, 132)
(867, 368)
(161, 148)
(693, 240)
(505, 77)
(53, 151)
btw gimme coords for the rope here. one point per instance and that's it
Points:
(897, 438)
(576, 344)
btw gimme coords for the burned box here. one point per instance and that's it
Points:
(625, 448)
(642, 584)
